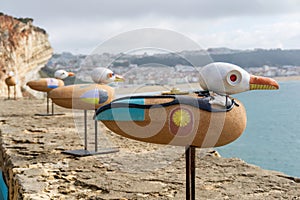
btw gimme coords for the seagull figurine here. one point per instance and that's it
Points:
(87, 96)
(11, 81)
(209, 119)
(48, 84)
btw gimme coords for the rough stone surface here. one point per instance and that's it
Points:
(24, 49)
(35, 168)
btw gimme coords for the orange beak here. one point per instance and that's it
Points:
(119, 78)
(71, 74)
(263, 83)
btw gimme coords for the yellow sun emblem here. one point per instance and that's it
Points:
(181, 118)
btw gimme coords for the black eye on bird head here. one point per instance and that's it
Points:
(110, 75)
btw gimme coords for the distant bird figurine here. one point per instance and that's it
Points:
(88, 97)
(48, 84)
(11, 82)
(208, 119)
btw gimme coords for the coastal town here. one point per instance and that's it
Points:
(150, 73)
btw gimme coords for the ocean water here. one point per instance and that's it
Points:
(272, 136)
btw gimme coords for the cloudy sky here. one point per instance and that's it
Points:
(79, 26)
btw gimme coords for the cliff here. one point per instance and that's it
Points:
(35, 168)
(24, 49)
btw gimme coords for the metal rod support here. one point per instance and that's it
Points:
(47, 103)
(85, 130)
(96, 135)
(190, 172)
(85, 151)
(52, 110)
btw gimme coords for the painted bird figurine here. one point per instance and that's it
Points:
(11, 81)
(87, 96)
(208, 119)
(47, 84)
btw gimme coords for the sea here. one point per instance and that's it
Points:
(272, 136)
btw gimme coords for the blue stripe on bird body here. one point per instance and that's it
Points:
(124, 113)
(52, 83)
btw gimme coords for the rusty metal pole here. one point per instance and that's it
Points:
(96, 134)
(52, 110)
(190, 172)
(85, 130)
(47, 103)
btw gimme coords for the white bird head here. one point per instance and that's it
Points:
(227, 79)
(11, 74)
(103, 75)
(62, 74)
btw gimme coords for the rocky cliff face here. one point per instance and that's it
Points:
(24, 49)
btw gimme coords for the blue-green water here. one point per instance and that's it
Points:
(272, 137)
(3, 188)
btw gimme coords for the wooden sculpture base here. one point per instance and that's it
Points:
(85, 152)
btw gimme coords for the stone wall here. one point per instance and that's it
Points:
(24, 49)
(34, 167)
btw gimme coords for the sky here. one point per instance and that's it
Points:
(80, 26)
